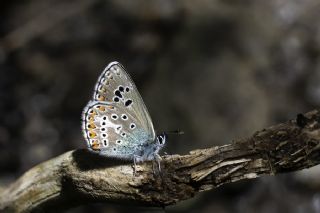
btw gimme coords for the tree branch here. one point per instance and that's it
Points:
(78, 177)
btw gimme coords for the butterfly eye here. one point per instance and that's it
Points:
(127, 89)
(104, 135)
(124, 117)
(118, 141)
(103, 129)
(160, 140)
(105, 142)
(123, 134)
(114, 149)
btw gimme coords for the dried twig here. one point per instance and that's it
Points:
(79, 177)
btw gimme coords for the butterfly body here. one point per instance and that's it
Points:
(116, 122)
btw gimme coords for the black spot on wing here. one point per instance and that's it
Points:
(128, 103)
(116, 99)
(118, 93)
(132, 126)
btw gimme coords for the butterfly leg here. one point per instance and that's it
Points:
(134, 165)
(153, 168)
(136, 159)
(157, 158)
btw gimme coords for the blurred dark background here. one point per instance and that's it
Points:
(219, 70)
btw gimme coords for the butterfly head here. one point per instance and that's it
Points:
(161, 139)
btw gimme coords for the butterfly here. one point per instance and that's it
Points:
(116, 122)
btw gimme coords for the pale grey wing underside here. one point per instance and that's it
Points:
(106, 132)
(117, 123)
(114, 76)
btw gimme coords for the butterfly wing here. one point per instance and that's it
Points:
(116, 122)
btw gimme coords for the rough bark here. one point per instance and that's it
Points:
(78, 177)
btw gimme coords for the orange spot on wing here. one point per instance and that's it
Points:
(102, 108)
(91, 125)
(95, 145)
(101, 98)
(92, 134)
(91, 119)
(93, 113)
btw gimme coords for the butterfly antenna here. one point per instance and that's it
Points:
(175, 132)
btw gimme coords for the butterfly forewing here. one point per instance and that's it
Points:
(115, 85)
(116, 122)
